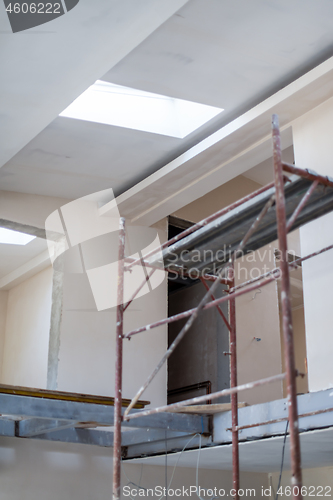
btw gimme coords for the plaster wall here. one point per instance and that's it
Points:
(314, 150)
(27, 331)
(257, 315)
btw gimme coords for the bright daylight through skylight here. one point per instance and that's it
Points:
(120, 106)
(14, 237)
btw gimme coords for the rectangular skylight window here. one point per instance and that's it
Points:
(112, 104)
(10, 237)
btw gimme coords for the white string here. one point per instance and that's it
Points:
(197, 475)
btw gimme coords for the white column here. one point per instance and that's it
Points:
(313, 144)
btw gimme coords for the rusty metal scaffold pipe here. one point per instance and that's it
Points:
(286, 314)
(233, 384)
(212, 296)
(311, 176)
(119, 364)
(301, 204)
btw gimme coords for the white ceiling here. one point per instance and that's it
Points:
(256, 456)
(230, 54)
(45, 68)
(217, 52)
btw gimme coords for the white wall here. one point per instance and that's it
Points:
(3, 316)
(27, 331)
(314, 150)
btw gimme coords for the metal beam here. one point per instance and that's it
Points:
(130, 439)
(79, 436)
(53, 409)
(35, 426)
(7, 428)
(274, 415)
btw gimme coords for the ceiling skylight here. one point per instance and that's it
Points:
(10, 237)
(112, 104)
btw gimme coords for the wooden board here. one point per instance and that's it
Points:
(207, 409)
(66, 396)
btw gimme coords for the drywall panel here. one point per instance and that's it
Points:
(3, 317)
(314, 150)
(27, 331)
(87, 339)
(257, 314)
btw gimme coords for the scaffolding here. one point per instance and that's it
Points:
(259, 218)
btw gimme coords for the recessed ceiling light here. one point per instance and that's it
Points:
(112, 104)
(10, 237)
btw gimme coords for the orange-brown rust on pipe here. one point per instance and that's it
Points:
(295, 451)
(119, 364)
(306, 174)
(212, 296)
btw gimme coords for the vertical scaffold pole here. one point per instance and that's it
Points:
(233, 383)
(119, 364)
(286, 315)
